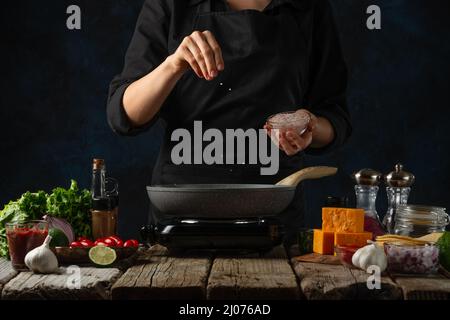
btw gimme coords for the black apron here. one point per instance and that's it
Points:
(265, 70)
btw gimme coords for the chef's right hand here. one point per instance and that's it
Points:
(200, 52)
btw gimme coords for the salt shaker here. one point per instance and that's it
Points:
(398, 186)
(366, 190)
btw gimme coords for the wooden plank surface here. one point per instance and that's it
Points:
(319, 258)
(424, 288)
(253, 277)
(72, 284)
(158, 276)
(333, 282)
(6, 272)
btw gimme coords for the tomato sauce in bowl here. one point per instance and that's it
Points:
(22, 238)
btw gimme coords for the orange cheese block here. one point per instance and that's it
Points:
(342, 220)
(323, 242)
(352, 239)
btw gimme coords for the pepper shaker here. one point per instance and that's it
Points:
(398, 184)
(366, 190)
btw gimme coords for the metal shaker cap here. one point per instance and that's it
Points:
(367, 177)
(399, 178)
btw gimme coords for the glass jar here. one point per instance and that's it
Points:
(22, 238)
(417, 221)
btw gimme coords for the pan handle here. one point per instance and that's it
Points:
(307, 173)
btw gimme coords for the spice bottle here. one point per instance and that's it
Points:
(104, 218)
(399, 184)
(98, 178)
(104, 211)
(366, 190)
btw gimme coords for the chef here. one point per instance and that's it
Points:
(232, 64)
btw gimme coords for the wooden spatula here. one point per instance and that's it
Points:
(307, 173)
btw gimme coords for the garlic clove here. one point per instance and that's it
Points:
(42, 259)
(365, 261)
(357, 256)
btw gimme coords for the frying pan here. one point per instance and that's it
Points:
(231, 200)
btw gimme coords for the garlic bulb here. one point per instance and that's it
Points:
(42, 259)
(368, 256)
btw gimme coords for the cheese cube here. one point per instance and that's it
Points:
(352, 239)
(323, 242)
(342, 220)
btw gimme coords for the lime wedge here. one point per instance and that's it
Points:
(102, 256)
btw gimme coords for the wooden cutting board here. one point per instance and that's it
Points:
(318, 258)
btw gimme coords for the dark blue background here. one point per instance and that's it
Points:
(54, 86)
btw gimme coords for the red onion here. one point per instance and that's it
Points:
(62, 224)
(372, 225)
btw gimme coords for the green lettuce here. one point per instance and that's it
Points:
(71, 204)
(30, 206)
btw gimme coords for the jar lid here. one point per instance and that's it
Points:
(368, 177)
(422, 215)
(399, 178)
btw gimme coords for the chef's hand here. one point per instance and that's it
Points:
(200, 52)
(291, 142)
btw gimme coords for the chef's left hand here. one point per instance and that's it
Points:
(291, 142)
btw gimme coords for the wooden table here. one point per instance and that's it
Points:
(154, 274)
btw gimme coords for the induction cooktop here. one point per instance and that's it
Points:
(259, 234)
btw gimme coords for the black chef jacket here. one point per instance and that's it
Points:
(318, 84)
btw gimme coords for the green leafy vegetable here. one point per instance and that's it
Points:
(30, 206)
(71, 204)
(9, 213)
(444, 250)
(33, 204)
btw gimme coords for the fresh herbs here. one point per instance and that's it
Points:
(71, 204)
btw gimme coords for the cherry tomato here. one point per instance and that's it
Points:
(117, 240)
(99, 243)
(119, 243)
(131, 243)
(109, 242)
(87, 243)
(82, 239)
(75, 244)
